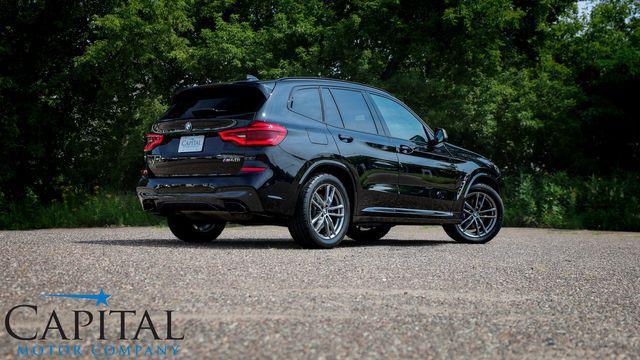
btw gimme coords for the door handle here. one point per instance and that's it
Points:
(405, 149)
(345, 138)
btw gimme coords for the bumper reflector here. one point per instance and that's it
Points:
(252, 169)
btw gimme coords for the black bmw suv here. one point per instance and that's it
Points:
(326, 158)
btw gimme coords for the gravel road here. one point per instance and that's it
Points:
(253, 293)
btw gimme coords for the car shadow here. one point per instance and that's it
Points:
(252, 243)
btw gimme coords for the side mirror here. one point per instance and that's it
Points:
(440, 136)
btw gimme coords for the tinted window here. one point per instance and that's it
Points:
(220, 101)
(331, 114)
(401, 123)
(307, 102)
(354, 110)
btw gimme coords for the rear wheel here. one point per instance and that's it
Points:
(368, 233)
(194, 231)
(482, 216)
(323, 213)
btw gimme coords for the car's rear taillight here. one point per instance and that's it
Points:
(153, 140)
(259, 133)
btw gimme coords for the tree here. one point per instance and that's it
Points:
(532, 85)
(41, 94)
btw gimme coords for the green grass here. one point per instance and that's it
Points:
(102, 209)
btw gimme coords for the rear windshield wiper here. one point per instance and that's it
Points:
(231, 116)
(204, 112)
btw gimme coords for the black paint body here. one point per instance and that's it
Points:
(386, 183)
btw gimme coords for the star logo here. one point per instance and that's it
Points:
(100, 298)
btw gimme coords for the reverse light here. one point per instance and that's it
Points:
(153, 140)
(259, 133)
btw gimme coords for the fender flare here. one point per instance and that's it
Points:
(317, 163)
(334, 163)
(483, 174)
(464, 190)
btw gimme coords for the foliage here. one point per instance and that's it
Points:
(78, 210)
(560, 201)
(535, 86)
(542, 200)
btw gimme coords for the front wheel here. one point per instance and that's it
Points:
(323, 213)
(482, 216)
(194, 231)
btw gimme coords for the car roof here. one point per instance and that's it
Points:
(267, 85)
(330, 81)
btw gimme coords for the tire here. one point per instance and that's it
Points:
(194, 232)
(455, 231)
(363, 234)
(308, 210)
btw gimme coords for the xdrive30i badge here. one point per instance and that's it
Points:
(228, 159)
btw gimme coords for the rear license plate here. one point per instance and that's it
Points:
(191, 143)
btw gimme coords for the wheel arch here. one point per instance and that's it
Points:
(479, 177)
(335, 168)
(484, 178)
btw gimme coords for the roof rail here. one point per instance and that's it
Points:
(331, 79)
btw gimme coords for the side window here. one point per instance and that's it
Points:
(306, 102)
(354, 110)
(331, 114)
(401, 123)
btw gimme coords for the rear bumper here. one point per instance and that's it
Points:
(198, 198)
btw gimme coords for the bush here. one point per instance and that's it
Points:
(77, 210)
(560, 201)
(612, 203)
(535, 200)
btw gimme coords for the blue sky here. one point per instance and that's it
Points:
(585, 6)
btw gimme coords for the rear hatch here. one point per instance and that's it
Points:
(190, 144)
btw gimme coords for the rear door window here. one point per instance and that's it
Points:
(331, 114)
(354, 110)
(306, 101)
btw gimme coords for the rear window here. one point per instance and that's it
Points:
(306, 101)
(216, 102)
(354, 110)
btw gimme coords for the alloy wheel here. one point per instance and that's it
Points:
(480, 215)
(327, 211)
(202, 227)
